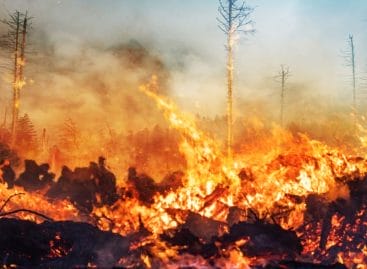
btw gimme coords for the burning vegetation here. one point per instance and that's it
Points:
(181, 193)
(301, 205)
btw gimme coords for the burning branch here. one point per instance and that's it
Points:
(20, 210)
(8, 200)
(27, 211)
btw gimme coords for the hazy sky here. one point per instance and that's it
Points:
(306, 35)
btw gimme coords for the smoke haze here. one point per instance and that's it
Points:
(89, 58)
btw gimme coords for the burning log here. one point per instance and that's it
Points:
(205, 228)
(206, 237)
(219, 191)
(236, 215)
(230, 228)
(262, 239)
(196, 236)
(189, 243)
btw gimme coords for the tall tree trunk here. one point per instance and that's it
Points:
(353, 81)
(15, 105)
(353, 72)
(234, 15)
(18, 72)
(22, 54)
(230, 82)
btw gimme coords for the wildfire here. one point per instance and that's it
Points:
(296, 167)
(270, 183)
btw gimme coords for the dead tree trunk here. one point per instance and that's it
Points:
(230, 84)
(15, 106)
(283, 76)
(22, 57)
(19, 24)
(15, 42)
(234, 16)
(352, 59)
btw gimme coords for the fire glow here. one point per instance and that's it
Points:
(278, 191)
(276, 198)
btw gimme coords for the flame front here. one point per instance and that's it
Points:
(270, 180)
(267, 183)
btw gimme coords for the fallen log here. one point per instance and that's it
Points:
(58, 245)
(261, 239)
(301, 265)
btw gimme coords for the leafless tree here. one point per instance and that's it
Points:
(353, 66)
(349, 56)
(69, 135)
(234, 18)
(282, 77)
(15, 40)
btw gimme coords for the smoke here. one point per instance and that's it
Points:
(89, 59)
(71, 74)
(93, 86)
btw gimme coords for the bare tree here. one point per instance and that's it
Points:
(234, 18)
(12, 42)
(350, 61)
(353, 65)
(69, 135)
(283, 76)
(15, 40)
